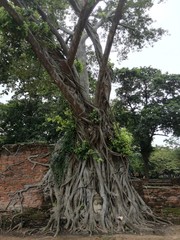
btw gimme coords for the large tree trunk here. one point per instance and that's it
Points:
(146, 150)
(145, 157)
(94, 194)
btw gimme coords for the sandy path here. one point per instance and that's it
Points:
(173, 234)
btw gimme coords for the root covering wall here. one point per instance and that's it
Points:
(22, 166)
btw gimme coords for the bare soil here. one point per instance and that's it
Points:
(172, 233)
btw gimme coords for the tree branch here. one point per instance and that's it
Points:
(65, 30)
(91, 32)
(36, 162)
(53, 30)
(117, 17)
(46, 19)
(83, 17)
(103, 88)
(96, 42)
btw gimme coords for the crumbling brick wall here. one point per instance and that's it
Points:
(22, 166)
(162, 196)
(19, 170)
(159, 192)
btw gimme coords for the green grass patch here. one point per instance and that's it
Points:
(172, 214)
(175, 212)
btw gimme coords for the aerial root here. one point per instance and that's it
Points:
(119, 209)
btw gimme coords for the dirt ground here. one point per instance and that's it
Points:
(172, 233)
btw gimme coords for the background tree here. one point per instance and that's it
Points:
(148, 102)
(165, 162)
(31, 120)
(85, 163)
(36, 102)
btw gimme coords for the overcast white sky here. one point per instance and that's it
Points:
(165, 55)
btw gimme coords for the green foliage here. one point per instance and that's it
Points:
(136, 164)
(165, 158)
(122, 141)
(64, 122)
(61, 155)
(11, 36)
(28, 119)
(40, 29)
(25, 121)
(83, 151)
(79, 66)
(147, 102)
(8, 25)
(135, 29)
(173, 142)
(91, 2)
(22, 72)
(31, 21)
(94, 116)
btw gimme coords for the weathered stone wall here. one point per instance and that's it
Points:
(21, 167)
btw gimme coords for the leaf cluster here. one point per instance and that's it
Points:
(147, 102)
(64, 122)
(122, 140)
(83, 152)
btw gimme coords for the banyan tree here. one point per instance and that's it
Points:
(88, 180)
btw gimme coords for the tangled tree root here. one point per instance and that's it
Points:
(97, 197)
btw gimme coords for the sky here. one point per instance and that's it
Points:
(165, 54)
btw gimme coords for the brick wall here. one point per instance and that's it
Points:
(162, 196)
(20, 168)
(160, 192)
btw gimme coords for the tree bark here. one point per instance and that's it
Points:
(102, 176)
(145, 157)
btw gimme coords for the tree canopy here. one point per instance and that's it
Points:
(133, 32)
(165, 162)
(147, 102)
